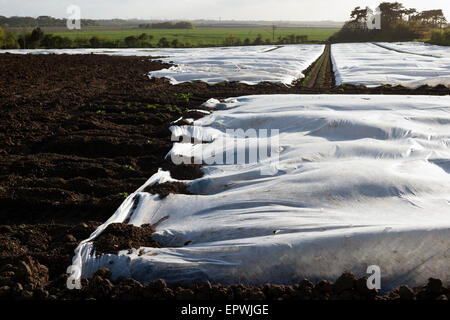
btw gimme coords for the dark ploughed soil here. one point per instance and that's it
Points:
(166, 188)
(320, 74)
(78, 133)
(121, 236)
(34, 258)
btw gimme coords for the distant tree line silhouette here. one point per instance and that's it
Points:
(41, 21)
(168, 25)
(397, 24)
(38, 39)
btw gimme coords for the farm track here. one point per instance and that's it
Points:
(320, 75)
(80, 132)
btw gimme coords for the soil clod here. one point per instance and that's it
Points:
(166, 188)
(121, 236)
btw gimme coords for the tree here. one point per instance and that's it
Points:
(34, 39)
(144, 40)
(143, 37)
(291, 38)
(229, 40)
(22, 41)
(441, 37)
(163, 43)
(433, 18)
(81, 43)
(169, 25)
(301, 39)
(10, 41)
(184, 25)
(56, 42)
(410, 13)
(360, 15)
(258, 40)
(2, 37)
(131, 42)
(175, 43)
(37, 35)
(95, 42)
(7, 40)
(391, 13)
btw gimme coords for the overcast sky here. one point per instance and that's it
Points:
(299, 10)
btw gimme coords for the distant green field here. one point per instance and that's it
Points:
(199, 37)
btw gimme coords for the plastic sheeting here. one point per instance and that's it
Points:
(360, 180)
(250, 64)
(372, 65)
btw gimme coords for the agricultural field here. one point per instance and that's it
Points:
(409, 65)
(291, 215)
(202, 37)
(251, 65)
(357, 173)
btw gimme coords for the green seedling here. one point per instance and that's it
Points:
(173, 108)
(186, 96)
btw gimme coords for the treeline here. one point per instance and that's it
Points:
(8, 40)
(168, 25)
(42, 21)
(48, 21)
(397, 24)
(440, 37)
(37, 39)
(231, 40)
